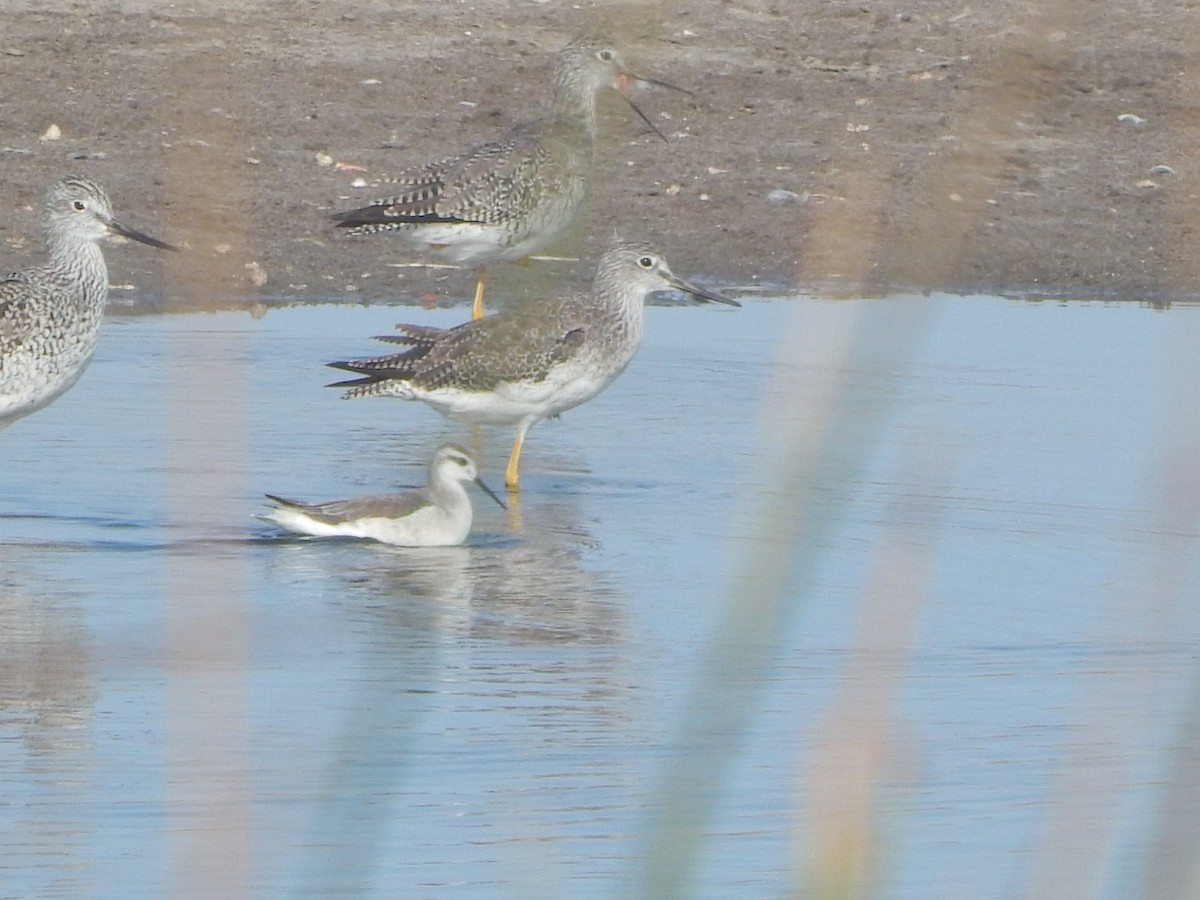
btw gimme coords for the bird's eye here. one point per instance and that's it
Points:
(79, 205)
(461, 460)
(606, 56)
(646, 262)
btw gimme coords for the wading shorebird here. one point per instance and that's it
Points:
(531, 362)
(511, 197)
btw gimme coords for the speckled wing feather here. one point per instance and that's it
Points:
(478, 355)
(483, 185)
(387, 506)
(16, 317)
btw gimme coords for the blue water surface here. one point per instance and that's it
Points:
(990, 577)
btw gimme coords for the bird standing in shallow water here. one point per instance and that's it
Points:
(50, 314)
(508, 198)
(437, 515)
(530, 362)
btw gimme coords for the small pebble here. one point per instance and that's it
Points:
(53, 133)
(1131, 119)
(258, 275)
(1162, 170)
(779, 195)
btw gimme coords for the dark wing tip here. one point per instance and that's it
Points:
(353, 218)
(348, 365)
(406, 340)
(353, 382)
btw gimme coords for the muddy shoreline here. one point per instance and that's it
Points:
(832, 147)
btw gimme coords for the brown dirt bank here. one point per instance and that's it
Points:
(933, 145)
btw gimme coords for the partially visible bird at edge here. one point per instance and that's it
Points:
(50, 315)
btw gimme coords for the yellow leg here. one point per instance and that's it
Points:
(477, 307)
(511, 478)
(513, 518)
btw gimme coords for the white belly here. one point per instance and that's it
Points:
(430, 526)
(465, 243)
(35, 383)
(564, 388)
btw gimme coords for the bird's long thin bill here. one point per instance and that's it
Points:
(700, 292)
(645, 118)
(487, 490)
(665, 84)
(118, 228)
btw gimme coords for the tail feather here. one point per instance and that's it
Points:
(351, 382)
(403, 339)
(413, 335)
(418, 208)
(372, 216)
(368, 387)
(382, 375)
(418, 339)
(378, 377)
(423, 333)
(395, 366)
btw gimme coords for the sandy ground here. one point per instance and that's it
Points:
(832, 146)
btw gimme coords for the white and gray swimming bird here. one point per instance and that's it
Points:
(50, 314)
(437, 515)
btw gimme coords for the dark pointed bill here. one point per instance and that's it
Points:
(626, 77)
(680, 285)
(118, 228)
(658, 83)
(645, 118)
(487, 490)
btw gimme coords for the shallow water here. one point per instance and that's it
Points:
(192, 704)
